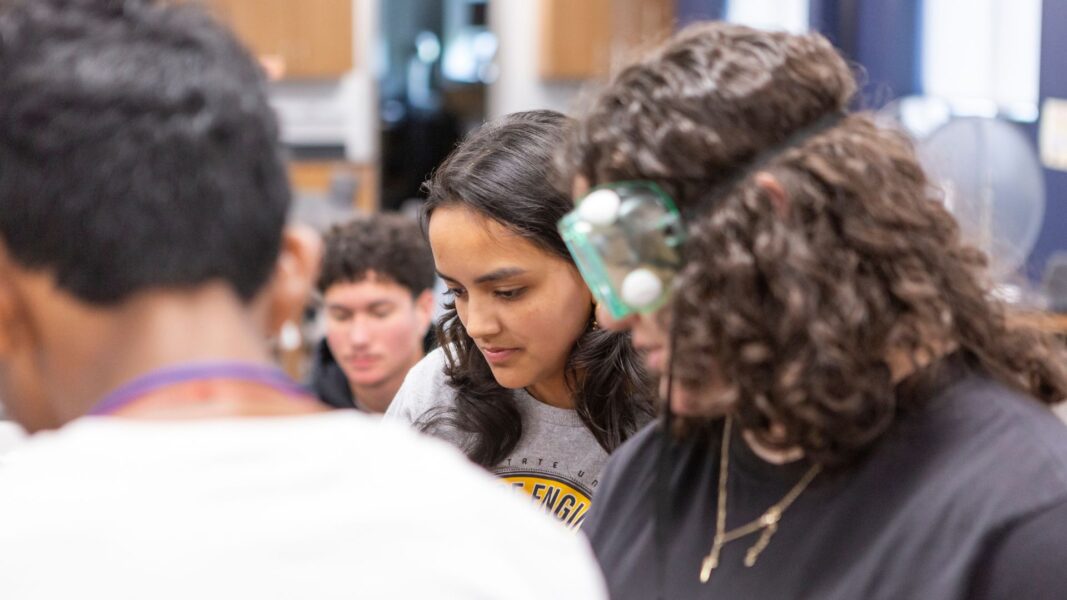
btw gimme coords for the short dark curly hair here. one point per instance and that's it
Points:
(391, 245)
(137, 149)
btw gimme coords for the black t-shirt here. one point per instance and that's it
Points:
(328, 381)
(964, 497)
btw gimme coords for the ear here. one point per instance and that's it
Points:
(579, 187)
(424, 306)
(770, 185)
(294, 274)
(12, 319)
(9, 319)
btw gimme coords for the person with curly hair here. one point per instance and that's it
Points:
(376, 284)
(525, 381)
(851, 413)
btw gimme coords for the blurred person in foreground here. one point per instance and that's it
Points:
(11, 434)
(143, 264)
(376, 284)
(851, 415)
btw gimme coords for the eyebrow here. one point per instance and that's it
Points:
(491, 276)
(345, 307)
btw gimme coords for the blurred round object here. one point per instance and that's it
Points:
(641, 288)
(993, 185)
(600, 208)
(918, 115)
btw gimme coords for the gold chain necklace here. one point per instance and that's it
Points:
(766, 523)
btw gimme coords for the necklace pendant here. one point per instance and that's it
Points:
(711, 560)
(709, 564)
(771, 517)
(761, 544)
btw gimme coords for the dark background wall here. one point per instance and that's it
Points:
(689, 11)
(1053, 235)
(884, 38)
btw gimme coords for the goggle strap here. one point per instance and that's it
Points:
(663, 473)
(741, 172)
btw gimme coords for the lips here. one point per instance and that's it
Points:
(362, 362)
(498, 356)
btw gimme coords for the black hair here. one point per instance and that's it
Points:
(137, 149)
(505, 171)
(390, 245)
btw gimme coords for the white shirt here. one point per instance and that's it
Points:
(334, 505)
(11, 435)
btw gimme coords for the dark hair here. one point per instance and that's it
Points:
(391, 245)
(137, 149)
(798, 312)
(504, 171)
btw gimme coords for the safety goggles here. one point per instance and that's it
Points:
(626, 238)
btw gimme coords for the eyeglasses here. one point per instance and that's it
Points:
(626, 239)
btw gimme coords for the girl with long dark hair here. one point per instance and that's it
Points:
(525, 381)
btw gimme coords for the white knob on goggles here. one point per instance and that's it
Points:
(600, 208)
(641, 288)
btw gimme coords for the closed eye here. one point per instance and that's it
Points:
(339, 314)
(511, 294)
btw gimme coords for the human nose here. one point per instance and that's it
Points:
(481, 320)
(359, 331)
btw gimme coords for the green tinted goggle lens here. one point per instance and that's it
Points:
(626, 239)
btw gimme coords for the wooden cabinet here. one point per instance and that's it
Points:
(583, 39)
(575, 38)
(314, 177)
(299, 39)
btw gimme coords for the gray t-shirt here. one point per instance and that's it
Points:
(557, 460)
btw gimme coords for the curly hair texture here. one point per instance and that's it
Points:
(505, 171)
(798, 309)
(390, 245)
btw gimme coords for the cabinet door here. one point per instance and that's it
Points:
(302, 38)
(575, 38)
(582, 39)
(322, 34)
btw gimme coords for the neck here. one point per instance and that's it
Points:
(153, 330)
(770, 454)
(553, 392)
(377, 398)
